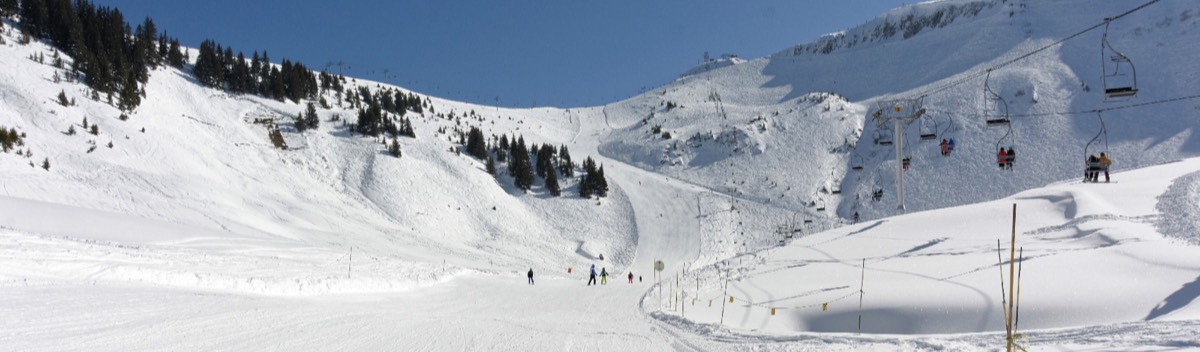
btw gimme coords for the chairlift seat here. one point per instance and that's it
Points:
(885, 142)
(928, 136)
(821, 209)
(997, 122)
(1097, 166)
(1120, 92)
(856, 168)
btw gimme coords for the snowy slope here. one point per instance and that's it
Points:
(202, 164)
(224, 242)
(754, 132)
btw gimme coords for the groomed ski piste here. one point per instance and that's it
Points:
(192, 232)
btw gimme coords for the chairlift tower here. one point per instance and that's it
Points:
(899, 113)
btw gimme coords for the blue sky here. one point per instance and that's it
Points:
(545, 52)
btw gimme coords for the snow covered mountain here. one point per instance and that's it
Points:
(716, 174)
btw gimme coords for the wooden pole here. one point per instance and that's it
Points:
(1003, 300)
(1017, 314)
(350, 263)
(861, 284)
(725, 298)
(1012, 269)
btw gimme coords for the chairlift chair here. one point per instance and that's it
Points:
(1118, 85)
(928, 133)
(1101, 137)
(856, 162)
(1000, 107)
(883, 138)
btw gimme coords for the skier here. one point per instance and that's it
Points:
(592, 276)
(1001, 157)
(950, 147)
(1010, 158)
(1104, 163)
(530, 275)
(630, 277)
(855, 218)
(604, 276)
(906, 162)
(945, 147)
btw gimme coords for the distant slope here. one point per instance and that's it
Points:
(194, 156)
(757, 130)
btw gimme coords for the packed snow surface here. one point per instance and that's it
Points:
(183, 228)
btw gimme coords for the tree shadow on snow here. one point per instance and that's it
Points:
(1181, 298)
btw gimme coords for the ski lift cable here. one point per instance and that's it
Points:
(1101, 136)
(1091, 111)
(977, 74)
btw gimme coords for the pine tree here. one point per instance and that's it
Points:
(552, 184)
(62, 98)
(394, 148)
(9, 7)
(407, 129)
(130, 97)
(301, 123)
(521, 167)
(600, 184)
(476, 147)
(174, 56)
(208, 67)
(146, 34)
(545, 157)
(587, 184)
(491, 166)
(310, 116)
(565, 166)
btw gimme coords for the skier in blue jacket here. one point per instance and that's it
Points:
(592, 276)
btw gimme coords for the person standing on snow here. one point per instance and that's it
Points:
(592, 276)
(631, 277)
(530, 275)
(604, 276)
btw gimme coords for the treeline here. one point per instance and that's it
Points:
(111, 59)
(217, 67)
(524, 162)
(383, 111)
